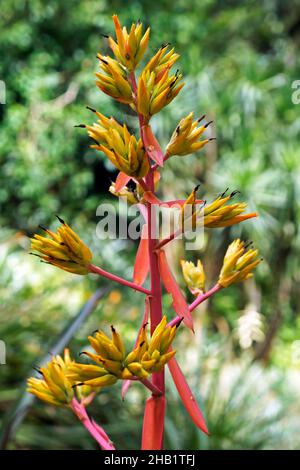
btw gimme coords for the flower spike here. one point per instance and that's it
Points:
(113, 364)
(156, 90)
(162, 60)
(63, 249)
(238, 264)
(217, 214)
(130, 47)
(121, 148)
(55, 387)
(194, 276)
(112, 80)
(186, 137)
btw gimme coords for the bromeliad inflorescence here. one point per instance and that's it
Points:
(140, 160)
(148, 356)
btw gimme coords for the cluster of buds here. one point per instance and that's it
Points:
(55, 387)
(128, 50)
(113, 80)
(151, 356)
(238, 264)
(195, 212)
(217, 214)
(194, 276)
(186, 137)
(130, 47)
(156, 87)
(112, 363)
(63, 249)
(122, 149)
(162, 60)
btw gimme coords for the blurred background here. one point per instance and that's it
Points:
(239, 60)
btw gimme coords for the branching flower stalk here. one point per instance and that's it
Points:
(140, 159)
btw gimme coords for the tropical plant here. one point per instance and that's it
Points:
(140, 160)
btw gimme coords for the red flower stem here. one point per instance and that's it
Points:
(155, 166)
(101, 438)
(155, 299)
(133, 84)
(168, 239)
(201, 298)
(143, 184)
(112, 277)
(204, 296)
(156, 392)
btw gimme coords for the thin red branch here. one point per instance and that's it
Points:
(204, 296)
(201, 298)
(156, 392)
(143, 184)
(112, 277)
(95, 430)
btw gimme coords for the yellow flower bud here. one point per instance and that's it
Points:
(238, 263)
(103, 381)
(186, 137)
(78, 373)
(122, 149)
(162, 60)
(112, 363)
(54, 388)
(194, 276)
(217, 214)
(137, 369)
(106, 348)
(113, 80)
(63, 249)
(156, 90)
(130, 47)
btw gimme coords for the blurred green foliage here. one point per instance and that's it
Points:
(240, 60)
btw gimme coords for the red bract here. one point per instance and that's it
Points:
(141, 265)
(121, 181)
(187, 396)
(179, 303)
(152, 146)
(153, 425)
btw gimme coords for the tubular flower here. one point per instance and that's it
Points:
(156, 90)
(63, 249)
(190, 210)
(109, 357)
(162, 60)
(149, 357)
(121, 148)
(54, 388)
(130, 47)
(217, 214)
(112, 363)
(186, 137)
(194, 276)
(112, 80)
(238, 263)
(124, 192)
